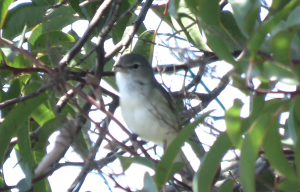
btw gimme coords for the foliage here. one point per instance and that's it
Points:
(50, 77)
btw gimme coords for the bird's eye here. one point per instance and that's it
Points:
(135, 66)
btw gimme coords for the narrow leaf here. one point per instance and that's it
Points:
(204, 177)
(164, 166)
(10, 125)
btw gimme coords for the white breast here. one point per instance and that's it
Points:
(150, 120)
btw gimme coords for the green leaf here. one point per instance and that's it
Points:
(177, 166)
(75, 5)
(164, 166)
(293, 18)
(233, 123)
(281, 46)
(204, 177)
(23, 185)
(288, 185)
(14, 91)
(228, 21)
(118, 30)
(44, 2)
(273, 152)
(42, 114)
(253, 141)
(15, 20)
(51, 39)
(258, 37)
(9, 126)
(277, 72)
(145, 47)
(240, 9)
(149, 185)
(293, 122)
(24, 144)
(226, 186)
(127, 161)
(251, 18)
(208, 13)
(185, 18)
(4, 4)
(54, 24)
(297, 157)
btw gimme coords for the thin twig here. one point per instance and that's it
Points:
(128, 11)
(24, 98)
(79, 44)
(27, 54)
(125, 42)
(185, 28)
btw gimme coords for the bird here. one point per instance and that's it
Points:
(147, 108)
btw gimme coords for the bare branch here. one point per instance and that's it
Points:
(24, 98)
(122, 45)
(94, 22)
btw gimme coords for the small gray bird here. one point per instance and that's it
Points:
(146, 106)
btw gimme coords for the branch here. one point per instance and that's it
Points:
(27, 54)
(205, 98)
(102, 37)
(79, 44)
(24, 98)
(17, 71)
(128, 11)
(125, 42)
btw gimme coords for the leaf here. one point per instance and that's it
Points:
(42, 114)
(278, 72)
(293, 122)
(233, 123)
(4, 4)
(75, 5)
(281, 46)
(204, 177)
(209, 14)
(127, 161)
(185, 18)
(149, 185)
(54, 24)
(51, 39)
(15, 20)
(228, 21)
(297, 156)
(24, 144)
(164, 167)
(23, 185)
(9, 126)
(274, 153)
(144, 45)
(258, 37)
(251, 18)
(226, 186)
(254, 139)
(288, 185)
(293, 18)
(43, 2)
(118, 30)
